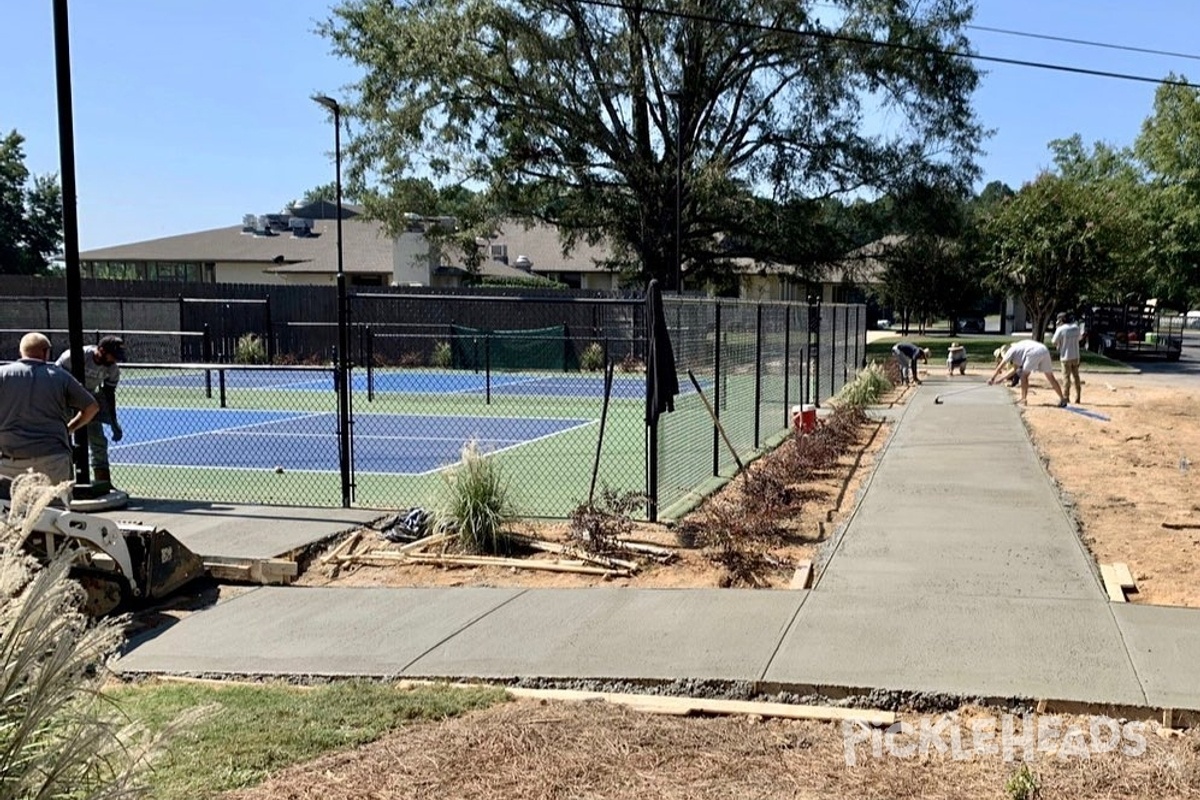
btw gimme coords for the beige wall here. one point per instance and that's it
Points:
(245, 272)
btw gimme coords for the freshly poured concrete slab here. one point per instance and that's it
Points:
(1164, 644)
(243, 531)
(968, 646)
(648, 634)
(314, 631)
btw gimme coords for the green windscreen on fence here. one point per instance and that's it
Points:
(533, 348)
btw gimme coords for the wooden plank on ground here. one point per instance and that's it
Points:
(1124, 576)
(342, 547)
(1181, 526)
(1112, 584)
(679, 706)
(802, 578)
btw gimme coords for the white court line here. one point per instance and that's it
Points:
(359, 437)
(583, 424)
(216, 430)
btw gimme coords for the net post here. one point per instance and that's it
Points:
(758, 335)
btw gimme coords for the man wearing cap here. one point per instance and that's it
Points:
(907, 355)
(36, 400)
(101, 375)
(1066, 340)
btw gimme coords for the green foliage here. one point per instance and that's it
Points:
(30, 213)
(60, 738)
(562, 110)
(1023, 784)
(1054, 242)
(443, 355)
(867, 387)
(475, 503)
(258, 729)
(250, 349)
(592, 359)
(531, 282)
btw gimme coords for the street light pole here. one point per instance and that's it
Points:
(677, 96)
(70, 218)
(343, 353)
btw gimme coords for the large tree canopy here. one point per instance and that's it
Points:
(30, 213)
(569, 112)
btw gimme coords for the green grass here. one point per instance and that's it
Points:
(980, 349)
(252, 731)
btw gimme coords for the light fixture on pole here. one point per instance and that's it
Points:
(343, 352)
(677, 97)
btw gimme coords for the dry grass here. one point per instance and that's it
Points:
(590, 750)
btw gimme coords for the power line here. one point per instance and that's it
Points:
(838, 37)
(1086, 42)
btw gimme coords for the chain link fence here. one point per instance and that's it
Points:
(520, 378)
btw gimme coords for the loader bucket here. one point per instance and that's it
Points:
(161, 563)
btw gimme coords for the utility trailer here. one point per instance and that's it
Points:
(1133, 331)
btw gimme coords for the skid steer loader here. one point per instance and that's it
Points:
(117, 564)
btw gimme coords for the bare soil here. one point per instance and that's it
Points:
(1131, 478)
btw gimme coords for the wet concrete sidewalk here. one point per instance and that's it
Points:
(959, 573)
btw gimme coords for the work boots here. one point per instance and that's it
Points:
(101, 481)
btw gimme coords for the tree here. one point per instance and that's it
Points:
(30, 213)
(568, 111)
(1052, 243)
(1169, 148)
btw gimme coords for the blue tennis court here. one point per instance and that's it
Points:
(397, 444)
(399, 382)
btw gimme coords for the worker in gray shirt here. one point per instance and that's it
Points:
(36, 421)
(101, 375)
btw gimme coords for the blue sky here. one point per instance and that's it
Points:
(191, 113)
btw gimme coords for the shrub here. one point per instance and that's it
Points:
(475, 504)
(412, 358)
(631, 363)
(442, 356)
(597, 526)
(61, 738)
(592, 358)
(250, 349)
(867, 387)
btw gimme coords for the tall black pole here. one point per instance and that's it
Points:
(343, 351)
(343, 321)
(70, 219)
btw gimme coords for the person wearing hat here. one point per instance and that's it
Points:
(1024, 358)
(101, 374)
(956, 359)
(1066, 340)
(907, 355)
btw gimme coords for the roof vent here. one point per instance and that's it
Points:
(300, 227)
(523, 262)
(249, 223)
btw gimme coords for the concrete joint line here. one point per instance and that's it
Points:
(782, 638)
(462, 628)
(1128, 656)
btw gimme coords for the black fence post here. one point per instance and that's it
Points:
(121, 312)
(369, 332)
(833, 384)
(49, 322)
(271, 349)
(846, 346)
(758, 334)
(814, 349)
(716, 442)
(787, 364)
(487, 368)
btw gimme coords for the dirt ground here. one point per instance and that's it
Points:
(530, 749)
(1131, 477)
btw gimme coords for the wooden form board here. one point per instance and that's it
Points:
(1112, 584)
(252, 570)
